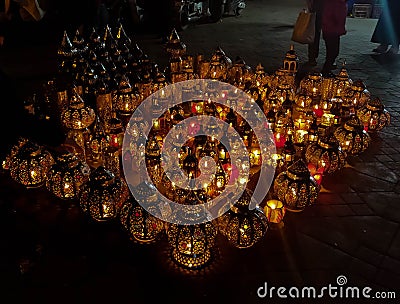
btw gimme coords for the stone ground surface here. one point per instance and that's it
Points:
(51, 252)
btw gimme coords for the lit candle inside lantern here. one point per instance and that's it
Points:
(275, 211)
(317, 111)
(156, 124)
(33, 174)
(222, 154)
(256, 157)
(300, 136)
(318, 178)
(300, 124)
(279, 140)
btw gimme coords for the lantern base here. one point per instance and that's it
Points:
(191, 261)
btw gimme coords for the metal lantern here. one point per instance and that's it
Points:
(342, 82)
(126, 100)
(67, 175)
(175, 47)
(357, 94)
(326, 155)
(312, 84)
(30, 165)
(241, 226)
(352, 137)
(103, 195)
(374, 116)
(142, 227)
(78, 116)
(296, 188)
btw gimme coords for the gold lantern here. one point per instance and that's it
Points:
(357, 94)
(296, 188)
(126, 100)
(243, 227)
(142, 226)
(342, 82)
(326, 155)
(30, 165)
(67, 175)
(352, 137)
(374, 116)
(103, 195)
(312, 84)
(328, 86)
(275, 211)
(291, 65)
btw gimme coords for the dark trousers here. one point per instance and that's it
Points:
(313, 48)
(332, 43)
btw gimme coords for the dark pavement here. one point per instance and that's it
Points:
(51, 252)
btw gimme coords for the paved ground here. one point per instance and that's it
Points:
(353, 230)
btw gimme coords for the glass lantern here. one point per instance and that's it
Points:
(296, 188)
(103, 195)
(243, 227)
(67, 175)
(30, 165)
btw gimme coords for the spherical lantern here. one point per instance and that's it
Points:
(326, 155)
(357, 94)
(312, 84)
(78, 116)
(296, 188)
(126, 100)
(352, 137)
(243, 227)
(67, 175)
(30, 165)
(142, 227)
(374, 116)
(342, 82)
(103, 195)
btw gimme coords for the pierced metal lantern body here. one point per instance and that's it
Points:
(352, 137)
(356, 94)
(103, 195)
(312, 84)
(67, 175)
(342, 82)
(243, 227)
(296, 188)
(30, 165)
(78, 116)
(374, 116)
(326, 155)
(142, 226)
(126, 100)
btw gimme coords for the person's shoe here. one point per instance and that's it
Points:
(382, 48)
(393, 50)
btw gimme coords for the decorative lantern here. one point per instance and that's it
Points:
(243, 227)
(142, 226)
(357, 94)
(238, 72)
(312, 85)
(126, 100)
(326, 155)
(296, 188)
(342, 82)
(67, 175)
(374, 116)
(352, 137)
(327, 87)
(30, 165)
(78, 116)
(291, 65)
(103, 195)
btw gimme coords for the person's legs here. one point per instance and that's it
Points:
(332, 44)
(313, 48)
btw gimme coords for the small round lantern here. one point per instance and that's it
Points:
(352, 137)
(296, 188)
(312, 84)
(243, 227)
(30, 165)
(78, 116)
(374, 116)
(142, 227)
(326, 155)
(103, 195)
(357, 94)
(67, 175)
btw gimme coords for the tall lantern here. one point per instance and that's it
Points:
(126, 100)
(296, 188)
(241, 226)
(342, 82)
(103, 195)
(374, 116)
(30, 165)
(352, 137)
(67, 175)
